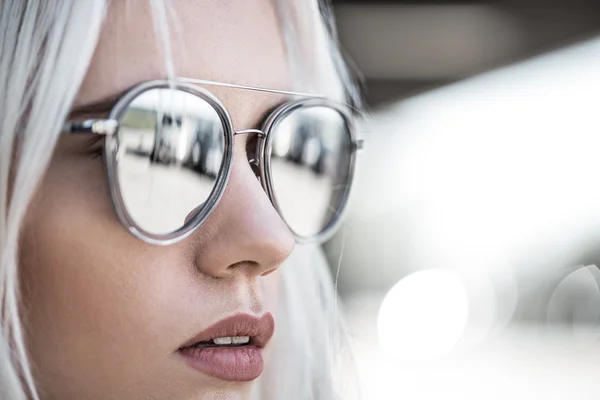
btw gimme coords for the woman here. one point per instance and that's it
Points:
(143, 259)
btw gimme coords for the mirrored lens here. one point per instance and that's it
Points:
(171, 147)
(310, 163)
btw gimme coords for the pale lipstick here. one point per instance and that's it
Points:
(232, 348)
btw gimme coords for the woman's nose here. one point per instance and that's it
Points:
(244, 233)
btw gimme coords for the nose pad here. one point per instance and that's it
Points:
(253, 146)
(193, 213)
(255, 166)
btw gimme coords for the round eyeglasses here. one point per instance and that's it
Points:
(169, 151)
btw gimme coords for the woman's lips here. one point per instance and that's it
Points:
(231, 362)
(239, 364)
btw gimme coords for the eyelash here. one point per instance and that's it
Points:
(96, 148)
(97, 152)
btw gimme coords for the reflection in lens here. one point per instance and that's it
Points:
(171, 146)
(310, 162)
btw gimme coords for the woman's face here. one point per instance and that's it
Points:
(106, 313)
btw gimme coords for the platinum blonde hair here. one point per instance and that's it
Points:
(45, 49)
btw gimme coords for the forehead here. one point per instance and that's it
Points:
(227, 41)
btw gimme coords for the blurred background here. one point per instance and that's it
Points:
(467, 264)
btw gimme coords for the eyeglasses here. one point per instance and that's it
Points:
(169, 148)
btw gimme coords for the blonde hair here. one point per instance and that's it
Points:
(45, 49)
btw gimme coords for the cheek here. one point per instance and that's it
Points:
(95, 299)
(271, 286)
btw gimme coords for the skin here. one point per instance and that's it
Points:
(105, 312)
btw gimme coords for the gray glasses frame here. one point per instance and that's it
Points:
(262, 161)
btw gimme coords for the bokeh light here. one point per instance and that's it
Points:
(424, 315)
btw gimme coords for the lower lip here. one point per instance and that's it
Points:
(238, 364)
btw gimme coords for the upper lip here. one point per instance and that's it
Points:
(260, 329)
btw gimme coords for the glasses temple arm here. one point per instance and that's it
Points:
(106, 127)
